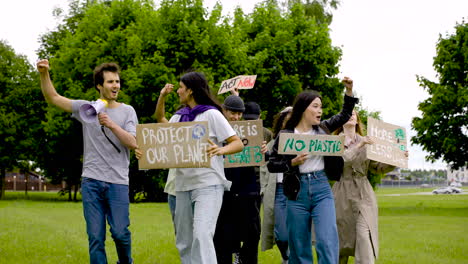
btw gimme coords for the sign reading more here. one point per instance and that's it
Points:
(389, 143)
(251, 134)
(323, 145)
(173, 145)
(239, 82)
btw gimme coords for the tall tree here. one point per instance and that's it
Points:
(443, 128)
(20, 111)
(320, 10)
(288, 51)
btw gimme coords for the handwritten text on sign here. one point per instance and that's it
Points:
(251, 134)
(173, 145)
(239, 82)
(323, 145)
(390, 143)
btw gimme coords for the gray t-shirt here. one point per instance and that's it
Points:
(187, 179)
(101, 160)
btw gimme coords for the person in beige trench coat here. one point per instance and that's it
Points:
(355, 200)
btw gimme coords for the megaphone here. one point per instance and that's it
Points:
(89, 112)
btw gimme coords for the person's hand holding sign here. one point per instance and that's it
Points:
(214, 149)
(235, 91)
(366, 140)
(348, 83)
(299, 159)
(138, 153)
(264, 148)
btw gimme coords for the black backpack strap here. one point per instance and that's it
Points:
(113, 144)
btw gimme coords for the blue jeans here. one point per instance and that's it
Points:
(171, 201)
(315, 203)
(103, 200)
(281, 229)
(196, 215)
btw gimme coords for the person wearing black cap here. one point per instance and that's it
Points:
(233, 108)
(238, 226)
(252, 112)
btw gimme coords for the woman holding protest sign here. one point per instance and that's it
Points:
(355, 201)
(306, 179)
(199, 191)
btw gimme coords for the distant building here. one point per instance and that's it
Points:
(16, 181)
(460, 175)
(394, 175)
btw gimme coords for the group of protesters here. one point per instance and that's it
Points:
(216, 210)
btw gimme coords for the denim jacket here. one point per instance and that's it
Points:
(333, 164)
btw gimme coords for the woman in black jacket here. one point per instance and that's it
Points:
(306, 179)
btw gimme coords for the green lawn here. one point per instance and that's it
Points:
(47, 229)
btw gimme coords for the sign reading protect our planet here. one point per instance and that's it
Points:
(251, 134)
(173, 145)
(390, 143)
(238, 82)
(323, 145)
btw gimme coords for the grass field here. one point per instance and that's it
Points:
(46, 229)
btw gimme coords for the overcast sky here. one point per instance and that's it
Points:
(385, 44)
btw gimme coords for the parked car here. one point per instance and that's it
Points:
(447, 190)
(455, 184)
(442, 190)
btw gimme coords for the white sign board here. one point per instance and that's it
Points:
(239, 82)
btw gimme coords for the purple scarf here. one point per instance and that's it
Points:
(188, 115)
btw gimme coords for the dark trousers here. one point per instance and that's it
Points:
(238, 228)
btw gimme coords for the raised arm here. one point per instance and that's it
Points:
(348, 83)
(48, 90)
(159, 112)
(341, 118)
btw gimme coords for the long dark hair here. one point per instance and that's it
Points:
(279, 120)
(359, 126)
(201, 92)
(301, 103)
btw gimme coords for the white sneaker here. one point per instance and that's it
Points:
(236, 258)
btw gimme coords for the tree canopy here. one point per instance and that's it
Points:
(21, 112)
(289, 50)
(443, 128)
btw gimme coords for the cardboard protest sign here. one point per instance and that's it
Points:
(239, 82)
(389, 143)
(251, 134)
(323, 145)
(173, 145)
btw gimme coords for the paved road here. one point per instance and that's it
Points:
(420, 193)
